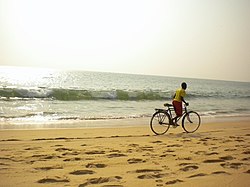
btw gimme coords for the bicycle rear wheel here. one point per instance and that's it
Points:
(159, 123)
(191, 121)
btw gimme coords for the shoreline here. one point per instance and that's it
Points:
(218, 154)
(105, 123)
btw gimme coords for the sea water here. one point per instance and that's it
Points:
(43, 96)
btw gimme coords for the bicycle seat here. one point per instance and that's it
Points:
(168, 105)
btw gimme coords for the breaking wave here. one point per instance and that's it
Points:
(64, 94)
(76, 94)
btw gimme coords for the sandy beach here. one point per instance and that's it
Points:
(218, 154)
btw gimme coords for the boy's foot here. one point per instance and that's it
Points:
(174, 123)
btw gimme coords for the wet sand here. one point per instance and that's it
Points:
(218, 154)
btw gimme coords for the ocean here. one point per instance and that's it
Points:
(37, 98)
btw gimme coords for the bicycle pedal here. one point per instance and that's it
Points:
(175, 126)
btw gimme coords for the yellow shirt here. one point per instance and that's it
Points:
(179, 94)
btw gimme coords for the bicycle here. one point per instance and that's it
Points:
(162, 120)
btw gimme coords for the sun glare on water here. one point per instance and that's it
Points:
(24, 76)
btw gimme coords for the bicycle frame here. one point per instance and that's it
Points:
(170, 108)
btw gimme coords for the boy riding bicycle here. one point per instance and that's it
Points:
(177, 102)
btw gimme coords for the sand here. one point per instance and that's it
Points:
(218, 154)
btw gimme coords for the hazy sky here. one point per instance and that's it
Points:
(184, 38)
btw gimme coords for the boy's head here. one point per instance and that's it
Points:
(184, 85)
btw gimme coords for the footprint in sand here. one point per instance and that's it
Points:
(211, 153)
(184, 158)
(52, 180)
(3, 164)
(133, 145)
(227, 157)
(205, 139)
(95, 152)
(221, 159)
(147, 170)
(52, 157)
(10, 140)
(7, 158)
(101, 180)
(213, 148)
(220, 172)
(173, 182)
(115, 151)
(226, 141)
(113, 155)
(135, 161)
(245, 159)
(246, 152)
(200, 152)
(58, 145)
(197, 175)
(189, 168)
(230, 149)
(235, 138)
(82, 172)
(72, 159)
(147, 148)
(205, 153)
(131, 148)
(248, 171)
(61, 149)
(94, 165)
(235, 165)
(158, 141)
(213, 161)
(175, 145)
(187, 163)
(32, 148)
(45, 157)
(167, 155)
(150, 174)
(168, 151)
(49, 168)
(70, 153)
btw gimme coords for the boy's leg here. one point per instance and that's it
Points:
(174, 120)
(178, 110)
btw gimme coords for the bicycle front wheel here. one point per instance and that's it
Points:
(159, 123)
(191, 121)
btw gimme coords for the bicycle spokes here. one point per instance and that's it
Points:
(191, 121)
(161, 118)
(160, 122)
(188, 118)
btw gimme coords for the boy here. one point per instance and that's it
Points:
(177, 101)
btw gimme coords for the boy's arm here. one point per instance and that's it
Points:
(186, 103)
(174, 96)
(182, 98)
